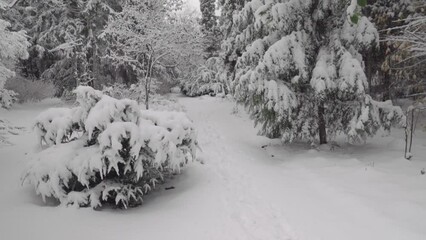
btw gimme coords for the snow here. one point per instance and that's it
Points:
(363, 34)
(287, 54)
(53, 125)
(324, 72)
(249, 187)
(351, 74)
(109, 110)
(350, 11)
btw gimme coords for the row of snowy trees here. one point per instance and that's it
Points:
(77, 42)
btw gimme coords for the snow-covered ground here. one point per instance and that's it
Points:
(249, 187)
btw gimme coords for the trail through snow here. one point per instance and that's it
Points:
(241, 191)
(289, 193)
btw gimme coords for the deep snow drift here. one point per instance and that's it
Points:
(249, 187)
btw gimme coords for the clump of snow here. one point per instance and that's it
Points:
(324, 72)
(363, 35)
(286, 55)
(107, 151)
(351, 10)
(351, 74)
(54, 125)
(87, 97)
(109, 110)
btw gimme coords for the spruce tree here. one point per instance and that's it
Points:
(299, 69)
(65, 47)
(208, 20)
(209, 27)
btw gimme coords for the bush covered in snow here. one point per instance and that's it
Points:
(137, 92)
(29, 90)
(168, 103)
(107, 151)
(6, 129)
(208, 79)
(7, 98)
(120, 91)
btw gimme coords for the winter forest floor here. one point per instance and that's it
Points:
(249, 187)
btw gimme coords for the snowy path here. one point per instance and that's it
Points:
(241, 192)
(290, 194)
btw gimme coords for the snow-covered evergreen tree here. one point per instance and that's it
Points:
(229, 52)
(208, 20)
(209, 28)
(299, 70)
(13, 46)
(64, 48)
(208, 79)
(107, 151)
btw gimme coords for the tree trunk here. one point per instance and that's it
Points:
(321, 124)
(147, 93)
(369, 71)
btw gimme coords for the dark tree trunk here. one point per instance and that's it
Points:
(147, 92)
(369, 71)
(321, 124)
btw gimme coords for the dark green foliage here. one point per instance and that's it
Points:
(362, 3)
(355, 18)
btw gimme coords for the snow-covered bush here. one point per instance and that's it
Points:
(107, 151)
(168, 103)
(29, 90)
(7, 98)
(119, 91)
(208, 79)
(137, 92)
(6, 129)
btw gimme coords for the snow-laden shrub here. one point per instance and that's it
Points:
(57, 125)
(29, 90)
(6, 129)
(7, 98)
(107, 151)
(208, 79)
(161, 103)
(137, 92)
(120, 91)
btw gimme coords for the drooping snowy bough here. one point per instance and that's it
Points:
(107, 151)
